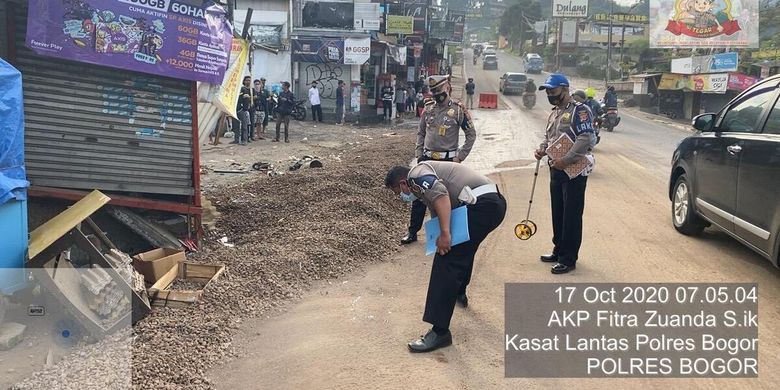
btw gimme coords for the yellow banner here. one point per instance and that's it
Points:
(397, 24)
(226, 96)
(672, 81)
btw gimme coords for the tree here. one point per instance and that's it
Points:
(516, 22)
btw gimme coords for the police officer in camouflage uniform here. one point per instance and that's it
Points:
(444, 186)
(437, 138)
(567, 194)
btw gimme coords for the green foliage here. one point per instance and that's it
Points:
(591, 71)
(513, 23)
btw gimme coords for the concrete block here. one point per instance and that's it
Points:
(11, 334)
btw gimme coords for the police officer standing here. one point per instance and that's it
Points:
(437, 138)
(567, 195)
(443, 186)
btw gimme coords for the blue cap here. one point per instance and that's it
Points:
(555, 80)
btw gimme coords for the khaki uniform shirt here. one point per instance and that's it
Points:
(440, 126)
(576, 120)
(430, 180)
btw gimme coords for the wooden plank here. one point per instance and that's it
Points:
(53, 229)
(166, 280)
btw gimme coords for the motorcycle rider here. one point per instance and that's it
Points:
(610, 97)
(581, 96)
(529, 93)
(594, 105)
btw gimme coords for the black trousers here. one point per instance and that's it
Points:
(316, 113)
(568, 202)
(418, 207)
(387, 109)
(451, 273)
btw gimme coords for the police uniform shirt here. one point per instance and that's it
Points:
(440, 127)
(575, 120)
(430, 180)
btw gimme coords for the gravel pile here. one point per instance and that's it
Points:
(286, 232)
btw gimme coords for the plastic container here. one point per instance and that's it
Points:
(13, 246)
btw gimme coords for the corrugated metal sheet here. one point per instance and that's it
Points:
(3, 41)
(93, 127)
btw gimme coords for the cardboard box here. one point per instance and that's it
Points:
(161, 296)
(154, 264)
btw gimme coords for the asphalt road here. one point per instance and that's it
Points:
(351, 333)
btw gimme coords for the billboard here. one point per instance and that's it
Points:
(460, 22)
(357, 50)
(569, 32)
(152, 39)
(703, 23)
(722, 62)
(570, 8)
(419, 11)
(443, 30)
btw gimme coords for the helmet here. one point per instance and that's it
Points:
(579, 95)
(471, 79)
(611, 88)
(590, 92)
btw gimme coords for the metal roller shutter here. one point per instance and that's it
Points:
(93, 127)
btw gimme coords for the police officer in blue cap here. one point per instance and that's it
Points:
(567, 189)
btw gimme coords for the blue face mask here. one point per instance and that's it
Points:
(408, 198)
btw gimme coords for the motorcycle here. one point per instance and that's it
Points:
(610, 119)
(529, 100)
(298, 110)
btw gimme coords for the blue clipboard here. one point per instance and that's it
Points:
(459, 229)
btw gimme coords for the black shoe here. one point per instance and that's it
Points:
(233, 142)
(463, 300)
(408, 239)
(562, 268)
(431, 341)
(549, 258)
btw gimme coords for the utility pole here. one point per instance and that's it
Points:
(558, 46)
(609, 44)
(622, 43)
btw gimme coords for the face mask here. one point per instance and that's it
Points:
(555, 99)
(408, 198)
(440, 97)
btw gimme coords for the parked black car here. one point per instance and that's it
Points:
(728, 173)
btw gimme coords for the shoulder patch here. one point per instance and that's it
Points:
(421, 184)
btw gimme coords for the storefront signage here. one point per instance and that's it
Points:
(717, 63)
(318, 50)
(621, 18)
(441, 29)
(357, 51)
(397, 24)
(167, 38)
(459, 18)
(740, 82)
(570, 8)
(707, 83)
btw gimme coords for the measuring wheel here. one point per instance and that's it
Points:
(525, 229)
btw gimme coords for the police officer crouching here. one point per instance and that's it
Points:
(437, 138)
(567, 195)
(443, 186)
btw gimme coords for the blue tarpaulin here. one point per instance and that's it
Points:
(13, 179)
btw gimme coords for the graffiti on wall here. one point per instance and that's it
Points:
(327, 77)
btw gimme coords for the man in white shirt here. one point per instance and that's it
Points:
(314, 100)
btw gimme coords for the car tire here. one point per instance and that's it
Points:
(684, 217)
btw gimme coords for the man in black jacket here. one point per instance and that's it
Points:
(284, 108)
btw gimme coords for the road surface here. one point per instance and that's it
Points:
(351, 333)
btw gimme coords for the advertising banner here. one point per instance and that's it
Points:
(167, 37)
(570, 8)
(419, 11)
(717, 63)
(459, 18)
(397, 24)
(569, 32)
(703, 23)
(441, 29)
(621, 18)
(268, 36)
(224, 95)
(357, 51)
(326, 14)
(318, 50)
(707, 83)
(740, 82)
